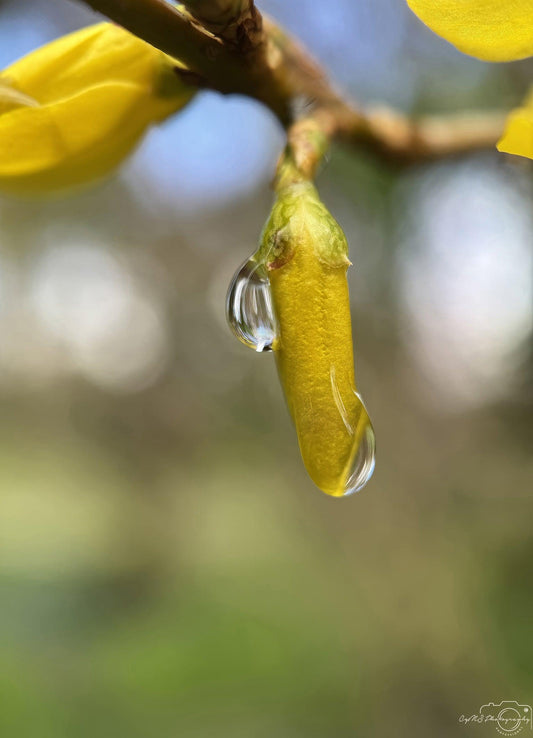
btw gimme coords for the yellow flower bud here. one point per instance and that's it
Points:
(305, 252)
(74, 109)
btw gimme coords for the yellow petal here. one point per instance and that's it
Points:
(72, 110)
(93, 55)
(493, 30)
(73, 141)
(518, 135)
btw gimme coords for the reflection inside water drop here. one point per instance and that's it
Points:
(364, 461)
(249, 308)
(363, 457)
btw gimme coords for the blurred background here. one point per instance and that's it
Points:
(166, 566)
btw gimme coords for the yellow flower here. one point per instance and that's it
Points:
(74, 109)
(492, 30)
(305, 252)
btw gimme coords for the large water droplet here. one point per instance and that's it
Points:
(249, 308)
(364, 461)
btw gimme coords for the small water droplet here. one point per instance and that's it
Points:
(364, 460)
(249, 309)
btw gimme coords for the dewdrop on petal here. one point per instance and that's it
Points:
(303, 305)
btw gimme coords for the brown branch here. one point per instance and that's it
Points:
(238, 51)
(237, 22)
(384, 131)
(219, 12)
(403, 140)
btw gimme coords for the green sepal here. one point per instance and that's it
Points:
(299, 219)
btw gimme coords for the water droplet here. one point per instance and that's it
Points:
(249, 309)
(364, 461)
(360, 431)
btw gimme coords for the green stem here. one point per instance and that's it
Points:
(307, 142)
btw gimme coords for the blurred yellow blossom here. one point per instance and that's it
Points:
(74, 109)
(492, 30)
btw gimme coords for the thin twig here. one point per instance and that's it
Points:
(237, 22)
